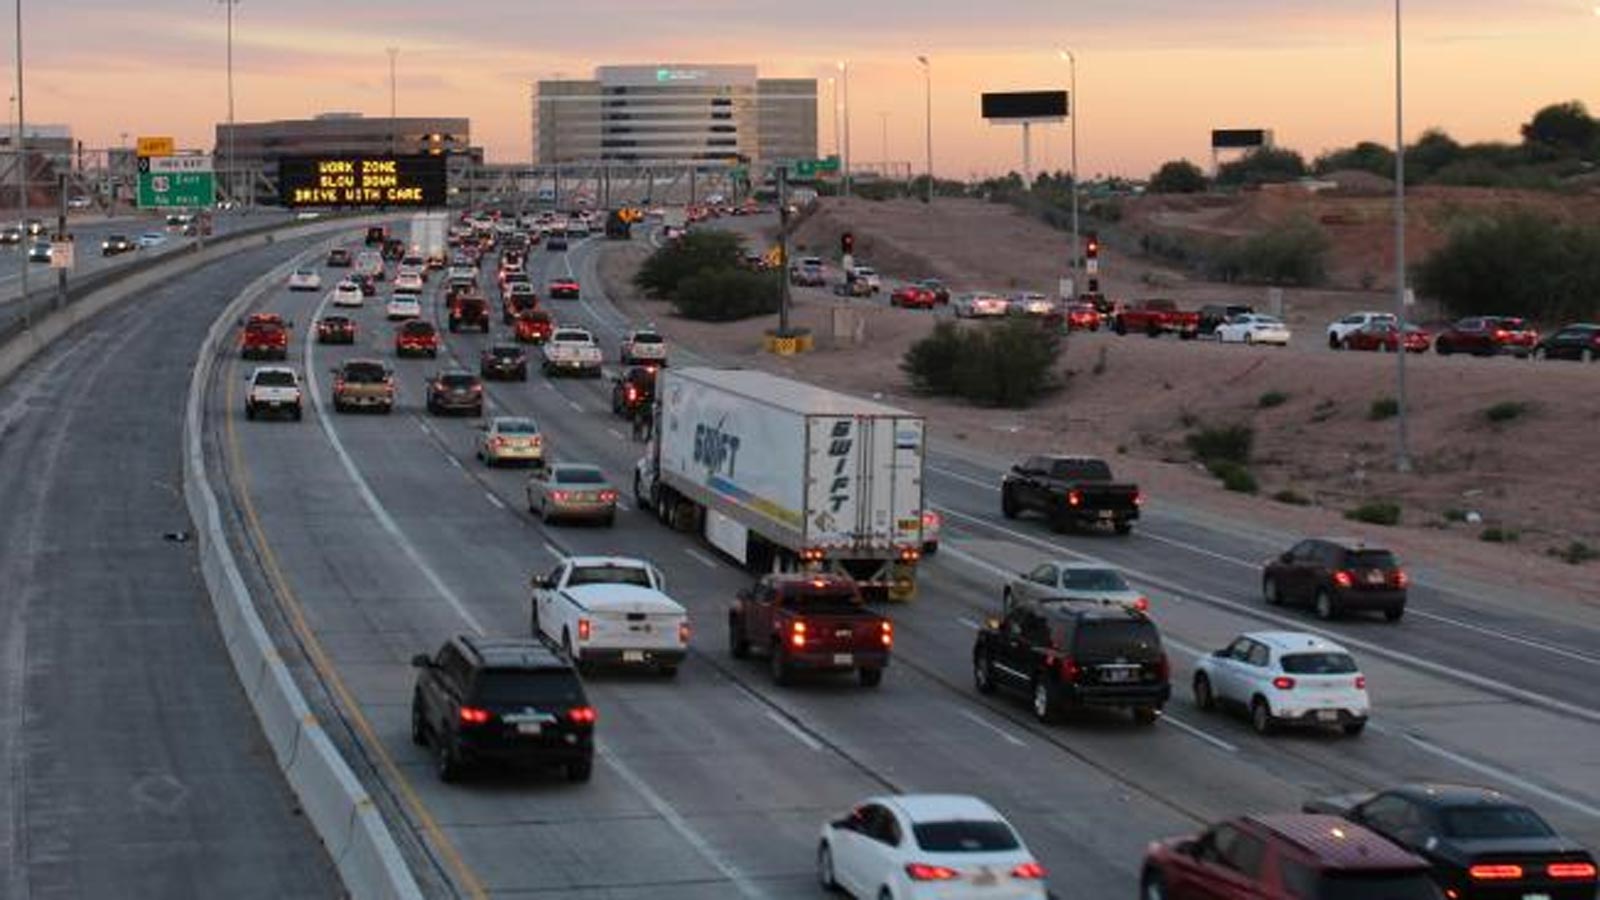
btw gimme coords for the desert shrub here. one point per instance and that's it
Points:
(1494, 534)
(1295, 254)
(1375, 512)
(1262, 165)
(1009, 364)
(1455, 515)
(1292, 497)
(1505, 411)
(1271, 399)
(931, 362)
(1178, 176)
(1224, 443)
(666, 269)
(725, 295)
(1518, 264)
(1383, 408)
(1576, 553)
(1233, 476)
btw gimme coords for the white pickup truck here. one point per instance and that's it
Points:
(644, 347)
(273, 389)
(571, 349)
(609, 609)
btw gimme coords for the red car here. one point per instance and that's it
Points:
(532, 326)
(564, 288)
(1284, 857)
(265, 336)
(1381, 335)
(1083, 317)
(913, 295)
(1487, 336)
(416, 338)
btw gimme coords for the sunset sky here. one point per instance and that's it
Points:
(1154, 76)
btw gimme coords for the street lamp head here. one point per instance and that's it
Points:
(1065, 55)
(843, 66)
(923, 60)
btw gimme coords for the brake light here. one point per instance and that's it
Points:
(1069, 669)
(472, 715)
(1074, 497)
(1283, 683)
(1501, 334)
(1163, 667)
(1361, 682)
(1343, 579)
(1028, 870)
(1571, 870)
(1138, 498)
(608, 496)
(1142, 604)
(584, 629)
(1495, 872)
(1401, 579)
(926, 872)
(812, 554)
(797, 634)
(683, 632)
(559, 496)
(930, 519)
(909, 554)
(582, 715)
(633, 393)
(886, 633)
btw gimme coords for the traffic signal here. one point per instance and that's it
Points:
(1091, 248)
(847, 243)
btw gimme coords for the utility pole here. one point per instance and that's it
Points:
(1072, 112)
(884, 116)
(393, 53)
(783, 247)
(61, 233)
(844, 162)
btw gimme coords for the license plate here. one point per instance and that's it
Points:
(1535, 897)
(1107, 514)
(1375, 577)
(634, 656)
(529, 728)
(843, 659)
(1327, 715)
(985, 878)
(1116, 675)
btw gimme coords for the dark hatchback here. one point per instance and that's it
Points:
(506, 362)
(455, 392)
(516, 702)
(1580, 342)
(1337, 575)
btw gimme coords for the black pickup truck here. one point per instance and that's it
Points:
(1071, 492)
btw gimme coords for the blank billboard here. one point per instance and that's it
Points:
(1239, 138)
(1025, 105)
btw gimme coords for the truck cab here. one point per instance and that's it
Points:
(813, 622)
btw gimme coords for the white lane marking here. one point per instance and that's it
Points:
(549, 386)
(576, 406)
(665, 810)
(622, 505)
(498, 503)
(1488, 685)
(553, 551)
(615, 433)
(421, 425)
(978, 720)
(374, 505)
(452, 460)
(799, 735)
(1146, 534)
(1521, 784)
(701, 558)
(969, 623)
(1204, 736)
(971, 560)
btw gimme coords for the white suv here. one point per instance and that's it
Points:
(1284, 678)
(1344, 327)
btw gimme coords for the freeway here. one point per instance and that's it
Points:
(131, 763)
(381, 536)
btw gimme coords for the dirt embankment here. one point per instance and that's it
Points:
(1134, 399)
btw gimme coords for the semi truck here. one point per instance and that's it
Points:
(783, 476)
(429, 232)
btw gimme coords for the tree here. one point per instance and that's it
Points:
(1178, 176)
(1432, 152)
(727, 295)
(1564, 128)
(1363, 157)
(697, 251)
(1519, 264)
(1261, 166)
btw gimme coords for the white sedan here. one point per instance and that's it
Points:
(305, 280)
(1072, 580)
(1253, 328)
(911, 846)
(409, 282)
(403, 306)
(347, 293)
(1285, 678)
(152, 239)
(972, 306)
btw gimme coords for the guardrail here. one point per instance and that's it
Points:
(344, 814)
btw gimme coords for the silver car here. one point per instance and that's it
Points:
(1073, 581)
(510, 439)
(572, 491)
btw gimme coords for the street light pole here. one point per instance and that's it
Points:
(233, 161)
(393, 53)
(1072, 112)
(1402, 462)
(22, 176)
(844, 162)
(927, 82)
(833, 97)
(883, 115)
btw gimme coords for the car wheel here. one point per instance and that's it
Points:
(1146, 715)
(1152, 886)
(1335, 344)
(419, 724)
(1203, 697)
(983, 672)
(1123, 526)
(1354, 729)
(825, 876)
(1442, 349)
(1008, 504)
(580, 771)
(667, 671)
(1044, 700)
(1394, 615)
(249, 412)
(1588, 355)
(446, 762)
(778, 661)
(1270, 591)
(1261, 717)
(609, 521)
(1324, 605)
(870, 677)
(298, 413)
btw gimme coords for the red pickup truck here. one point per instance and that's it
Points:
(810, 621)
(265, 336)
(1155, 318)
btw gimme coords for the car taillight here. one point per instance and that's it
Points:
(1401, 579)
(1074, 497)
(1069, 669)
(812, 554)
(1361, 682)
(1501, 334)
(608, 496)
(797, 634)
(1163, 667)
(1028, 870)
(909, 554)
(1142, 604)
(584, 629)
(1343, 579)
(886, 633)
(930, 519)
(1495, 872)
(582, 715)
(926, 872)
(633, 393)
(683, 632)
(559, 496)
(1138, 498)
(338, 384)
(1570, 870)
(1283, 683)
(472, 715)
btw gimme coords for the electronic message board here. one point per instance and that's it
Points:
(1036, 105)
(362, 181)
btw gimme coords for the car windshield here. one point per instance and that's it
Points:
(1080, 470)
(517, 426)
(275, 379)
(609, 574)
(1093, 580)
(645, 337)
(1136, 640)
(1474, 822)
(576, 337)
(458, 381)
(364, 374)
(1319, 664)
(304, 273)
(417, 328)
(528, 687)
(505, 352)
(577, 475)
(964, 836)
(1373, 559)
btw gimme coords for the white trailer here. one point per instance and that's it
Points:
(428, 236)
(782, 475)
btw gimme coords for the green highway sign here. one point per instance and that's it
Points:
(164, 189)
(811, 168)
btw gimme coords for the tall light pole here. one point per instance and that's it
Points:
(884, 146)
(1402, 460)
(393, 52)
(844, 162)
(22, 175)
(1072, 112)
(233, 164)
(833, 97)
(927, 83)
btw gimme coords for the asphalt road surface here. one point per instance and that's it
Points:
(131, 764)
(385, 535)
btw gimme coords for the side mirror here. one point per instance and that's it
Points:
(421, 661)
(1220, 654)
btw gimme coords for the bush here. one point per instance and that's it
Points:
(1233, 476)
(1505, 411)
(1576, 553)
(1178, 176)
(1383, 408)
(1227, 443)
(665, 270)
(725, 295)
(1271, 399)
(1517, 264)
(1262, 165)
(1008, 364)
(1375, 512)
(1494, 534)
(1455, 515)
(1292, 497)
(1294, 254)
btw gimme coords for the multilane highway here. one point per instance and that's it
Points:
(380, 536)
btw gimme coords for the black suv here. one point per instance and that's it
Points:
(504, 361)
(1070, 654)
(501, 700)
(1336, 575)
(635, 388)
